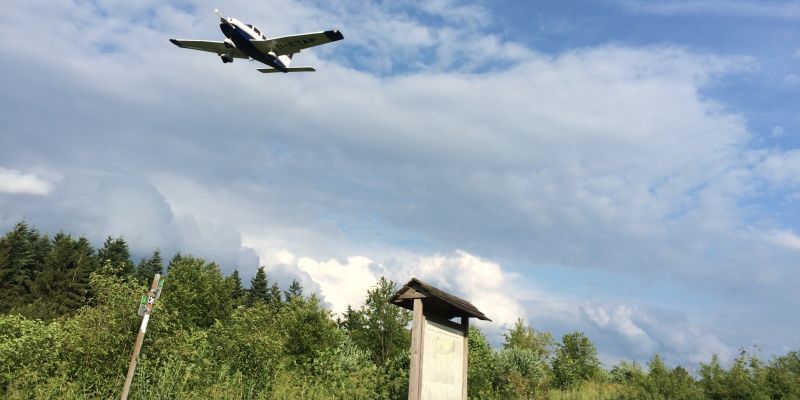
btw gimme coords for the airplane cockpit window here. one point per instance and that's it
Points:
(257, 31)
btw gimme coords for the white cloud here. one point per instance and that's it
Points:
(15, 182)
(770, 9)
(781, 168)
(786, 239)
(341, 284)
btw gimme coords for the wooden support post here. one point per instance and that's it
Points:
(140, 337)
(465, 328)
(415, 374)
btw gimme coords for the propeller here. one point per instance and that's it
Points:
(219, 14)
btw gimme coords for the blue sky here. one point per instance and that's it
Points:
(626, 168)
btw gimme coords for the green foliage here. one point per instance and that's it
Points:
(22, 255)
(252, 342)
(62, 285)
(379, 327)
(238, 293)
(525, 337)
(115, 251)
(482, 365)
(521, 373)
(782, 378)
(295, 291)
(575, 361)
(258, 288)
(195, 295)
(309, 326)
(148, 267)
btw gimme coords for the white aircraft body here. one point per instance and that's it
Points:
(248, 42)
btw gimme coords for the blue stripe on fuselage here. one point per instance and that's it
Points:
(241, 39)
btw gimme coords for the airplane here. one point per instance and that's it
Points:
(248, 42)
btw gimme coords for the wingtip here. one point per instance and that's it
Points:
(175, 42)
(334, 35)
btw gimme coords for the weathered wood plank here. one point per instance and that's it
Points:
(415, 373)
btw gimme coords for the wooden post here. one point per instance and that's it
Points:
(415, 373)
(465, 327)
(140, 337)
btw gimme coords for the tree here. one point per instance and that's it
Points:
(22, 254)
(62, 286)
(309, 327)
(238, 293)
(481, 365)
(258, 288)
(380, 327)
(525, 337)
(148, 267)
(295, 291)
(195, 295)
(575, 361)
(274, 297)
(116, 251)
(783, 377)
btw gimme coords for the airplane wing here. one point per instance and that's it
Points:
(293, 44)
(209, 46)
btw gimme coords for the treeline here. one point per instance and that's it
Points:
(69, 321)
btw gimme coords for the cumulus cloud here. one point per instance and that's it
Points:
(15, 182)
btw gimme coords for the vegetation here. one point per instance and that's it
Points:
(68, 322)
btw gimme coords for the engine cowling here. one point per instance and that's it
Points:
(226, 58)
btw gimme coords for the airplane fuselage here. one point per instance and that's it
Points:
(241, 34)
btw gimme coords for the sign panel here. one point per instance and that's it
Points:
(442, 362)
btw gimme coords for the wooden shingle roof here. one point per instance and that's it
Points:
(435, 300)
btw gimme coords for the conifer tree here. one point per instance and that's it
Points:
(22, 254)
(295, 291)
(274, 296)
(238, 292)
(175, 260)
(116, 251)
(148, 267)
(258, 288)
(62, 286)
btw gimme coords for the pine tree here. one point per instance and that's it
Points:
(148, 267)
(22, 255)
(116, 251)
(295, 291)
(176, 259)
(238, 293)
(274, 296)
(62, 286)
(258, 288)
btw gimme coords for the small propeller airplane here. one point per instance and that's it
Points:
(248, 42)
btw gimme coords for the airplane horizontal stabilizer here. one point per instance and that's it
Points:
(295, 69)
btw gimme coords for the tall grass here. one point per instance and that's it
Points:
(589, 391)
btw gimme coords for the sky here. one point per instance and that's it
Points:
(625, 168)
